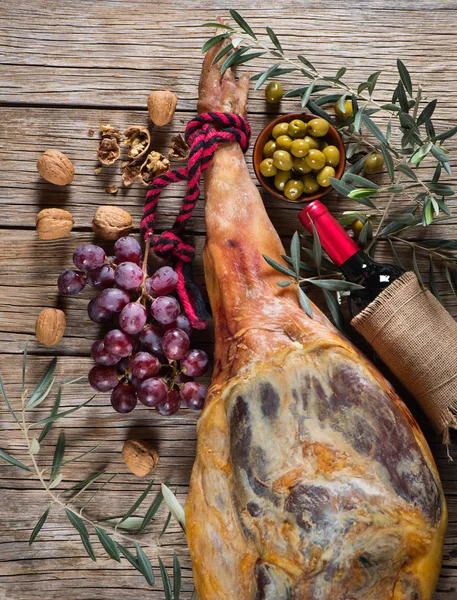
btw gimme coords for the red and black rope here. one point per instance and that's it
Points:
(203, 134)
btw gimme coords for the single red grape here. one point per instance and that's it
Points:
(127, 249)
(182, 378)
(133, 318)
(165, 309)
(170, 405)
(118, 343)
(101, 277)
(195, 363)
(193, 395)
(128, 275)
(88, 256)
(152, 391)
(98, 314)
(103, 379)
(175, 344)
(144, 365)
(163, 281)
(151, 339)
(113, 300)
(71, 282)
(123, 398)
(101, 356)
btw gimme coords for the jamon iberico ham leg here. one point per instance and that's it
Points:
(312, 479)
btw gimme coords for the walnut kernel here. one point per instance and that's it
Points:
(138, 139)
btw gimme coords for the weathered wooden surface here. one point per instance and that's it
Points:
(64, 68)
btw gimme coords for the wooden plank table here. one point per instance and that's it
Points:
(66, 67)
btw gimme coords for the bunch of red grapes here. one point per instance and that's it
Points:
(146, 355)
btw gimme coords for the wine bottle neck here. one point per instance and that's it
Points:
(339, 246)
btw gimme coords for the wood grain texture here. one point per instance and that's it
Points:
(65, 68)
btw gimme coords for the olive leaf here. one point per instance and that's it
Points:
(295, 253)
(130, 524)
(57, 416)
(445, 135)
(388, 161)
(34, 446)
(242, 23)
(174, 506)
(165, 525)
(137, 503)
(67, 462)
(335, 310)
(156, 504)
(433, 287)
(265, 75)
(406, 170)
(222, 52)
(335, 285)
(80, 527)
(44, 386)
(176, 577)
(165, 580)
(7, 402)
(274, 38)
(39, 525)
(85, 483)
(304, 302)
(12, 460)
(54, 411)
(144, 565)
(58, 456)
(317, 247)
(395, 255)
(449, 279)
(306, 96)
(278, 267)
(214, 41)
(108, 544)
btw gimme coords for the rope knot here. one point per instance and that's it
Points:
(203, 134)
(168, 245)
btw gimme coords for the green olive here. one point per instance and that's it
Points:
(299, 148)
(282, 160)
(281, 178)
(315, 159)
(269, 149)
(267, 168)
(332, 155)
(318, 127)
(346, 113)
(294, 189)
(373, 164)
(280, 129)
(310, 184)
(297, 128)
(313, 144)
(357, 226)
(323, 144)
(283, 142)
(323, 177)
(300, 166)
(273, 92)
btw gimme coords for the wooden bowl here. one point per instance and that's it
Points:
(332, 137)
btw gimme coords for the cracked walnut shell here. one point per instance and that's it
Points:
(155, 164)
(109, 149)
(50, 326)
(55, 167)
(111, 222)
(138, 139)
(53, 223)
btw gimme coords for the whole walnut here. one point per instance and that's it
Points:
(140, 457)
(111, 222)
(53, 223)
(55, 167)
(161, 106)
(50, 326)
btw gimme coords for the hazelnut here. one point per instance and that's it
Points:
(161, 107)
(55, 167)
(138, 139)
(53, 223)
(140, 457)
(50, 326)
(111, 222)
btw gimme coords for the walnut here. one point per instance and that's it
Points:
(53, 223)
(154, 165)
(140, 457)
(161, 106)
(111, 222)
(130, 171)
(55, 167)
(91, 132)
(180, 148)
(112, 189)
(138, 138)
(50, 326)
(109, 149)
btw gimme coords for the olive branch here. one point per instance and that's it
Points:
(413, 200)
(110, 532)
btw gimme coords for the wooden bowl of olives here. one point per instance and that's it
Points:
(295, 156)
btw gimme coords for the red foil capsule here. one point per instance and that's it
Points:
(334, 239)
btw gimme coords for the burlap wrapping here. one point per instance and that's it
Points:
(417, 339)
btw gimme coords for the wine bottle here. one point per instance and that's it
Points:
(355, 264)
